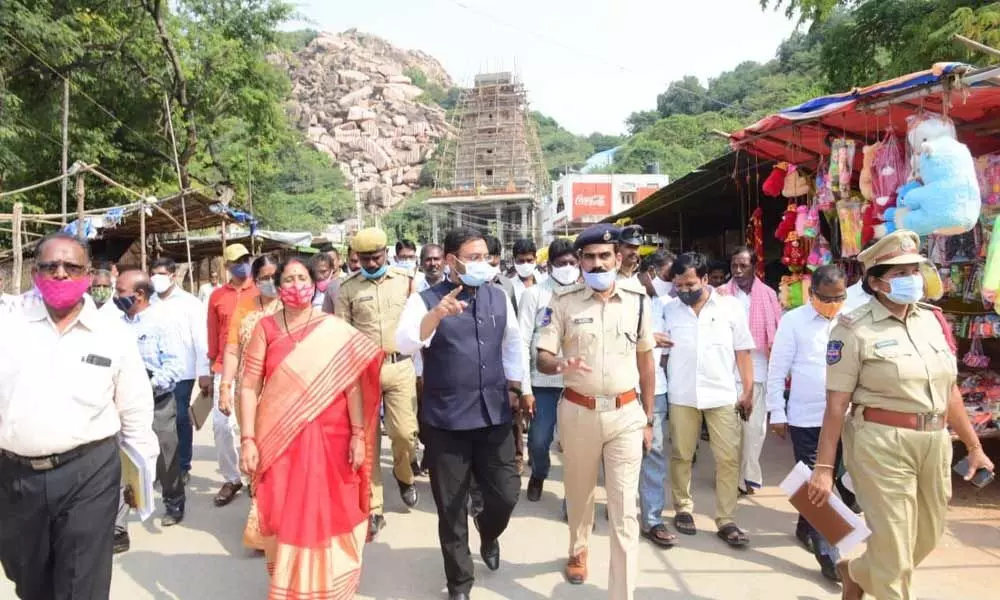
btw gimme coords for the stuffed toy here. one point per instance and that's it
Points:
(890, 172)
(800, 219)
(796, 183)
(820, 254)
(922, 128)
(866, 177)
(948, 202)
(787, 225)
(775, 182)
(794, 254)
(811, 228)
(870, 221)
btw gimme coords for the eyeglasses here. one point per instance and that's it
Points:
(52, 267)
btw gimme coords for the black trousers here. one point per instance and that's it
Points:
(168, 464)
(454, 457)
(805, 442)
(56, 526)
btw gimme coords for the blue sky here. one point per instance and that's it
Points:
(586, 63)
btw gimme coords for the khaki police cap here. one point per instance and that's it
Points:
(369, 239)
(901, 247)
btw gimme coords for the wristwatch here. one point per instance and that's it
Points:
(516, 391)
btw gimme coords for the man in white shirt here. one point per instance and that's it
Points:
(856, 296)
(545, 389)
(206, 289)
(72, 384)
(527, 275)
(8, 302)
(708, 339)
(189, 312)
(661, 262)
(800, 351)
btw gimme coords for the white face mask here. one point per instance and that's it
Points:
(566, 275)
(525, 270)
(161, 283)
(409, 265)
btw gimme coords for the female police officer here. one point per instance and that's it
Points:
(890, 360)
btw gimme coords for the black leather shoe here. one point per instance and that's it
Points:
(534, 493)
(409, 494)
(458, 596)
(491, 554)
(172, 518)
(828, 569)
(122, 542)
(375, 524)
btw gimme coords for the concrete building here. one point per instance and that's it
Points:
(581, 199)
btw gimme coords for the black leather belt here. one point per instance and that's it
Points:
(47, 463)
(395, 357)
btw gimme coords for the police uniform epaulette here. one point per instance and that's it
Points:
(401, 271)
(567, 289)
(630, 285)
(351, 276)
(850, 319)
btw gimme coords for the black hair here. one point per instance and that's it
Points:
(333, 250)
(302, 260)
(877, 272)
(525, 246)
(560, 247)
(690, 260)
(456, 238)
(744, 250)
(493, 245)
(428, 247)
(407, 244)
(658, 259)
(143, 283)
(262, 261)
(167, 263)
(321, 259)
(63, 236)
(827, 274)
(718, 265)
(104, 265)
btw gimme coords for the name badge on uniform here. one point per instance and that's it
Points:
(834, 351)
(886, 344)
(97, 361)
(366, 298)
(544, 317)
(583, 320)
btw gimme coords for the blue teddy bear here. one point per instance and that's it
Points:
(948, 201)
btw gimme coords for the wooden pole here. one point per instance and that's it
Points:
(17, 248)
(974, 45)
(180, 186)
(79, 207)
(142, 234)
(65, 148)
(253, 250)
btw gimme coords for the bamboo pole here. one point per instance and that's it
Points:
(974, 45)
(18, 259)
(65, 148)
(180, 185)
(142, 235)
(79, 206)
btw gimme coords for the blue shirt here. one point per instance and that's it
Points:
(161, 347)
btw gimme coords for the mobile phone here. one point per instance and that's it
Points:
(742, 413)
(980, 479)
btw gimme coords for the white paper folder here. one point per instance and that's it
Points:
(139, 474)
(834, 520)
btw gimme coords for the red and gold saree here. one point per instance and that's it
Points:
(312, 506)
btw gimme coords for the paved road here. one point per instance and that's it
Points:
(204, 558)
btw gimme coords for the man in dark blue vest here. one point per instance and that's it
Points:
(470, 344)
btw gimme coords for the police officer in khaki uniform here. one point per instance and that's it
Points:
(372, 300)
(890, 360)
(604, 329)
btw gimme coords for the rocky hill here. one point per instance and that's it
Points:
(352, 97)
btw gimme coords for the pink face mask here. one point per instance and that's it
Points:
(62, 294)
(297, 296)
(323, 285)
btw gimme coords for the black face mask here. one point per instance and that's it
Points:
(124, 303)
(690, 297)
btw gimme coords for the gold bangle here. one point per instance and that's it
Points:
(974, 447)
(819, 466)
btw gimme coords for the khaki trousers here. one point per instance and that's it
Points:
(399, 394)
(588, 437)
(724, 438)
(903, 482)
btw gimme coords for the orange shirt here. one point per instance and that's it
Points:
(221, 310)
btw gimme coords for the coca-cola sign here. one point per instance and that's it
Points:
(593, 199)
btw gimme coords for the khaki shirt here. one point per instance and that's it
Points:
(905, 366)
(373, 306)
(607, 335)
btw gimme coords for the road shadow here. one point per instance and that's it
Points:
(166, 577)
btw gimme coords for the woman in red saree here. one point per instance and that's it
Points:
(309, 405)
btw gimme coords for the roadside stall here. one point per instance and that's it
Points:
(920, 152)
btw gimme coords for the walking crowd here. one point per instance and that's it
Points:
(471, 374)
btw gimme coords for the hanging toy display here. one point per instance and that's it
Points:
(841, 166)
(824, 195)
(775, 182)
(988, 172)
(794, 254)
(849, 216)
(866, 179)
(811, 228)
(820, 254)
(796, 183)
(801, 212)
(946, 200)
(921, 128)
(755, 238)
(793, 290)
(787, 224)
(991, 273)
(890, 172)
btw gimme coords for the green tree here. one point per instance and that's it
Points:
(684, 97)
(563, 151)
(411, 219)
(641, 120)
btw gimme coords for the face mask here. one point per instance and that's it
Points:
(524, 270)
(124, 303)
(62, 294)
(906, 289)
(379, 272)
(827, 310)
(322, 285)
(566, 275)
(267, 288)
(161, 283)
(477, 273)
(240, 270)
(446, 270)
(690, 297)
(600, 281)
(297, 296)
(101, 295)
(409, 265)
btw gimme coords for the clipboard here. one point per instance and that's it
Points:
(201, 407)
(834, 520)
